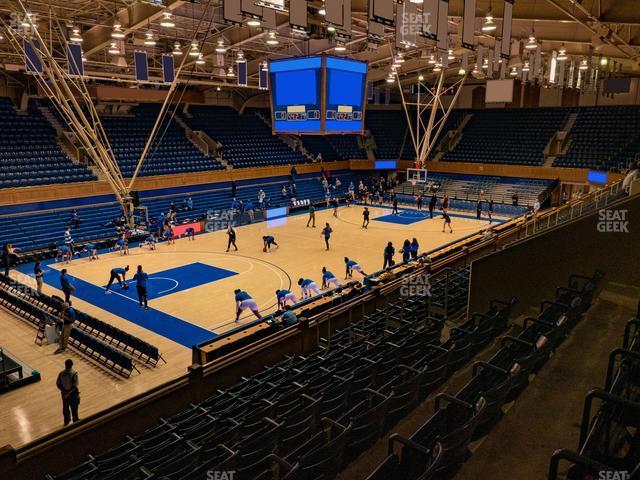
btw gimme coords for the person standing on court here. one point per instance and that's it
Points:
(118, 274)
(406, 250)
(395, 205)
(326, 231)
(37, 272)
(65, 285)
(414, 248)
(141, 287)
(312, 215)
(389, 252)
(365, 217)
(479, 209)
(67, 383)
(232, 238)
(233, 189)
(68, 318)
(432, 204)
(8, 254)
(419, 201)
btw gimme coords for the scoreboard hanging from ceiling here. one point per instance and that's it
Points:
(318, 95)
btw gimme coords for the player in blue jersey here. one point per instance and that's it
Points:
(308, 287)
(91, 250)
(122, 245)
(66, 251)
(268, 240)
(329, 278)
(141, 279)
(352, 265)
(119, 274)
(244, 301)
(327, 231)
(285, 296)
(150, 242)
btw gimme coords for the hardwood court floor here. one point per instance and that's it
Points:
(32, 411)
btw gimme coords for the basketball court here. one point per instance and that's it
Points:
(191, 296)
(192, 279)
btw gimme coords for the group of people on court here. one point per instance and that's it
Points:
(308, 289)
(119, 274)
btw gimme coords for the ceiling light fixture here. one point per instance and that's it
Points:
(513, 72)
(75, 36)
(193, 51)
(489, 25)
(117, 32)
(584, 65)
(532, 43)
(149, 41)
(200, 59)
(438, 67)
(526, 68)
(230, 72)
(253, 22)
(340, 47)
(220, 48)
(113, 49)
(562, 54)
(450, 55)
(323, 10)
(167, 20)
(177, 48)
(271, 39)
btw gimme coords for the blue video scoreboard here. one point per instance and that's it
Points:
(345, 86)
(296, 94)
(318, 95)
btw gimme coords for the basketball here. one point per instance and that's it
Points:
(264, 249)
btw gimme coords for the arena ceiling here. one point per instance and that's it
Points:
(586, 28)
